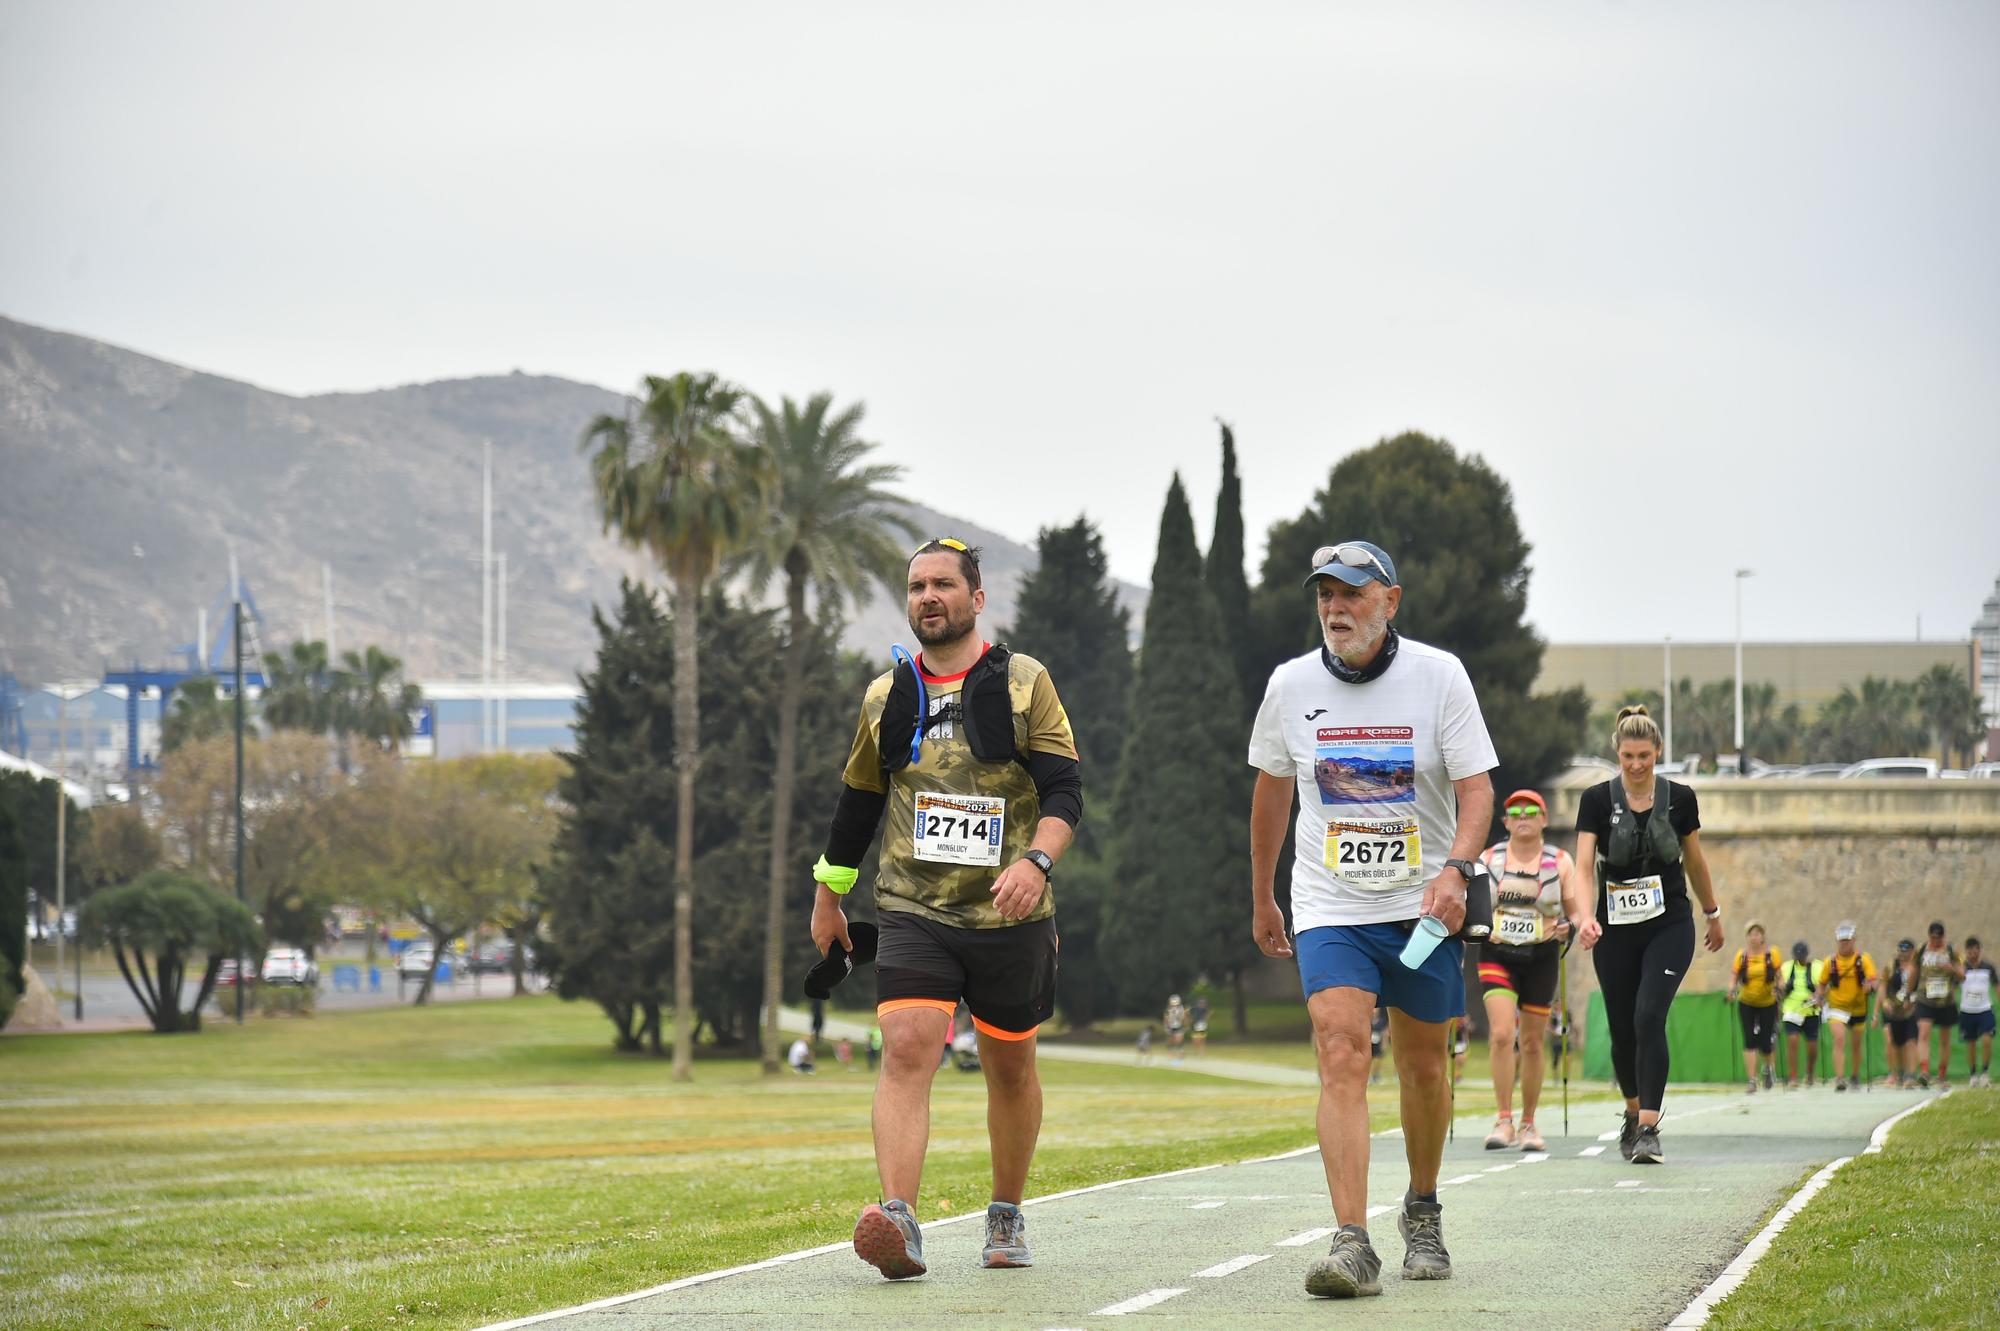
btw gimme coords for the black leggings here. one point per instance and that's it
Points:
(1639, 968)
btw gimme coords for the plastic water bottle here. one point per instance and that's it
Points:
(1430, 931)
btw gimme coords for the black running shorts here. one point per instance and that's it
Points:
(1006, 976)
(1938, 1014)
(1902, 1031)
(1760, 1026)
(1528, 974)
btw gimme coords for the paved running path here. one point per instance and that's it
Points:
(1560, 1242)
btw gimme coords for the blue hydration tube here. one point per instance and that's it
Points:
(902, 654)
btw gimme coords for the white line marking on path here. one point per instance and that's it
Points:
(1697, 1313)
(1232, 1266)
(1591, 1150)
(1301, 1240)
(1626, 1183)
(1138, 1303)
(1610, 1136)
(1499, 1169)
(1534, 1157)
(1462, 1178)
(1206, 1206)
(1374, 1211)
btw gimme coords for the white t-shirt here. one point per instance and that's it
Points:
(1977, 993)
(1374, 765)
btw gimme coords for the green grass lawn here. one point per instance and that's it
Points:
(1908, 1237)
(448, 1166)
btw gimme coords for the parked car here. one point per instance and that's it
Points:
(225, 977)
(1984, 771)
(289, 965)
(1873, 768)
(1772, 771)
(415, 963)
(1818, 770)
(498, 958)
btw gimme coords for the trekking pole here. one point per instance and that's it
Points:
(1562, 1006)
(1451, 1063)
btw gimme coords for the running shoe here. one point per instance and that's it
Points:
(1006, 1237)
(1502, 1137)
(1349, 1269)
(1767, 1079)
(1646, 1147)
(1752, 1089)
(888, 1239)
(1422, 1226)
(1627, 1135)
(1840, 1083)
(1923, 1081)
(1531, 1140)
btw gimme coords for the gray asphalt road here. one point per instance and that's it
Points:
(1574, 1240)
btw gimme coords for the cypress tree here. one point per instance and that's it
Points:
(1223, 571)
(1174, 901)
(1069, 619)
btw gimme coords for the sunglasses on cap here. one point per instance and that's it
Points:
(1351, 555)
(948, 542)
(1524, 810)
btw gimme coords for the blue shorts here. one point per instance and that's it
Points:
(1367, 956)
(1972, 1025)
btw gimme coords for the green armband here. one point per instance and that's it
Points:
(838, 881)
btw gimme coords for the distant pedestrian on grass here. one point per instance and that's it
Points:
(1175, 1019)
(1146, 1045)
(801, 1057)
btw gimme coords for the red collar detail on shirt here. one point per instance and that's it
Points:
(929, 678)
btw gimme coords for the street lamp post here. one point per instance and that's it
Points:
(1742, 762)
(1667, 696)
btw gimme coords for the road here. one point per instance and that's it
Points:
(1571, 1240)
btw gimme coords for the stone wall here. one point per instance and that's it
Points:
(1801, 856)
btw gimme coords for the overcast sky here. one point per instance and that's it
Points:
(1713, 286)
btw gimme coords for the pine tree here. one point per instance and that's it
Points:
(1175, 907)
(1069, 619)
(1448, 522)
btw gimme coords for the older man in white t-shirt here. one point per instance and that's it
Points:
(1381, 738)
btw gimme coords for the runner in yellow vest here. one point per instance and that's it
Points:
(1753, 987)
(1849, 978)
(1798, 1012)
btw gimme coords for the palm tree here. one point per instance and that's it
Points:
(1950, 709)
(198, 712)
(671, 477)
(829, 528)
(375, 700)
(298, 689)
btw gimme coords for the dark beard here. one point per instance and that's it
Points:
(953, 631)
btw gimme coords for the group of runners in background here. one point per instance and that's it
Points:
(1929, 990)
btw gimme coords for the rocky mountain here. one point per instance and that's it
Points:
(125, 479)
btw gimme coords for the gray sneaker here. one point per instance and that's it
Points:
(887, 1238)
(1349, 1269)
(1422, 1226)
(1006, 1237)
(1628, 1134)
(1646, 1148)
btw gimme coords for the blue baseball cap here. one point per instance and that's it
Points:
(1353, 562)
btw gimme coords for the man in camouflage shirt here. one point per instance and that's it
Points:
(967, 749)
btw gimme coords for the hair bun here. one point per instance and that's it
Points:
(1636, 709)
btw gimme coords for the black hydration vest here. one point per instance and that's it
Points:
(1623, 847)
(984, 714)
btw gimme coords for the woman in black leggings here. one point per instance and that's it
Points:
(1641, 933)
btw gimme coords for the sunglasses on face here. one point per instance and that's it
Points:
(1523, 810)
(1353, 556)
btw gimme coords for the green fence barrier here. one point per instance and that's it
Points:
(1705, 1043)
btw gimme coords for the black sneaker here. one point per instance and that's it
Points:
(1350, 1268)
(1840, 1083)
(1628, 1135)
(1422, 1226)
(1767, 1079)
(1646, 1146)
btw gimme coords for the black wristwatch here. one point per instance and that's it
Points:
(1466, 868)
(1040, 859)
